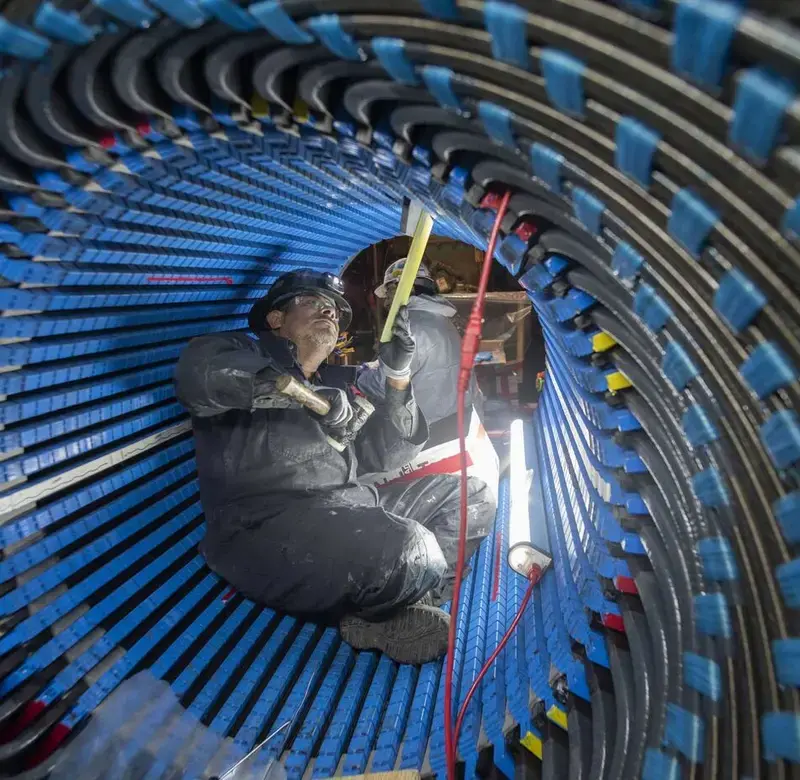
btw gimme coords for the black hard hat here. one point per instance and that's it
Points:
(304, 281)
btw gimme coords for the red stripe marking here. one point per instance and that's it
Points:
(496, 585)
(614, 622)
(108, 142)
(57, 735)
(491, 200)
(29, 713)
(526, 231)
(229, 595)
(626, 585)
(225, 279)
(444, 466)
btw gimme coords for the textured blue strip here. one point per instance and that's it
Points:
(271, 15)
(719, 560)
(780, 732)
(710, 488)
(563, 80)
(328, 28)
(712, 615)
(505, 22)
(787, 512)
(19, 42)
(781, 436)
(588, 209)
(660, 766)
(786, 653)
(698, 426)
(738, 300)
(228, 12)
(439, 82)
(497, 123)
(678, 366)
(685, 731)
(546, 163)
(691, 221)
(651, 307)
(391, 53)
(703, 675)
(703, 32)
(636, 145)
(440, 9)
(62, 25)
(627, 262)
(185, 12)
(788, 575)
(768, 369)
(790, 225)
(762, 98)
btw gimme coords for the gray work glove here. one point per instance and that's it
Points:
(395, 355)
(340, 412)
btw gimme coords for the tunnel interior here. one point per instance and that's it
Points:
(162, 162)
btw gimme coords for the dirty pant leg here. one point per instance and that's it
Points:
(434, 502)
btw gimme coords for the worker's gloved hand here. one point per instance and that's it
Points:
(395, 355)
(341, 413)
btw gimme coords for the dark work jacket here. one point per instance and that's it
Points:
(255, 464)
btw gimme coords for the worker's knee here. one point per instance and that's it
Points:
(481, 505)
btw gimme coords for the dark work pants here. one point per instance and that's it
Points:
(325, 560)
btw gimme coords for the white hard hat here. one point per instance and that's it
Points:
(394, 271)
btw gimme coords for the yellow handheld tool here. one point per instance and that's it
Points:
(421, 235)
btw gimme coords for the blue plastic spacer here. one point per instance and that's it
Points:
(678, 366)
(703, 30)
(506, 23)
(627, 262)
(440, 9)
(588, 209)
(439, 81)
(563, 80)
(651, 307)
(712, 616)
(787, 512)
(185, 12)
(271, 15)
(703, 675)
(698, 427)
(685, 732)
(790, 224)
(719, 560)
(636, 146)
(19, 42)
(768, 369)
(709, 488)
(391, 53)
(780, 734)
(497, 123)
(229, 13)
(328, 28)
(738, 300)
(788, 576)
(133, 12)
(63, 25)
(660, 766)
(781, 436)
(761, 102)
(786, 653)
(691, 221)
(546, 163)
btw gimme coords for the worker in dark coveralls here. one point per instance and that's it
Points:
(288, 523)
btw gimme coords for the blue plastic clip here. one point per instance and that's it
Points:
(636, 146)
(134, 13)
(546, 163)
(780, 733)
(660, 766)
(709, 488)
(698, 427)
(440, 9)
(228, 12)
(678, 366)
(761, 102)
(439, 82)
(651, 307)
(712, 616)
(691, 221)
(505, 22)
(719, 560)
(781, 436)
(391, 53)
(185, 12)
(703, 675)
(270, 14)
(328, 28)
(685, 732)
(703, 32)
(768, 369)
(790, 224)
(588, 209)
(19, 42)
(563, 80)
(63, 25)
(786, 653)
(788, 576)
(497, 123)
(627, 262)
(738, 300)
(787, 512)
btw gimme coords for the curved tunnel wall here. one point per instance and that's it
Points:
(162, 163)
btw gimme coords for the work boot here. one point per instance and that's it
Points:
(415, 635)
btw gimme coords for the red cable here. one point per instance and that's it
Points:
(469, 348)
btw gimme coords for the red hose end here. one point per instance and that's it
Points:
(535, 574)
